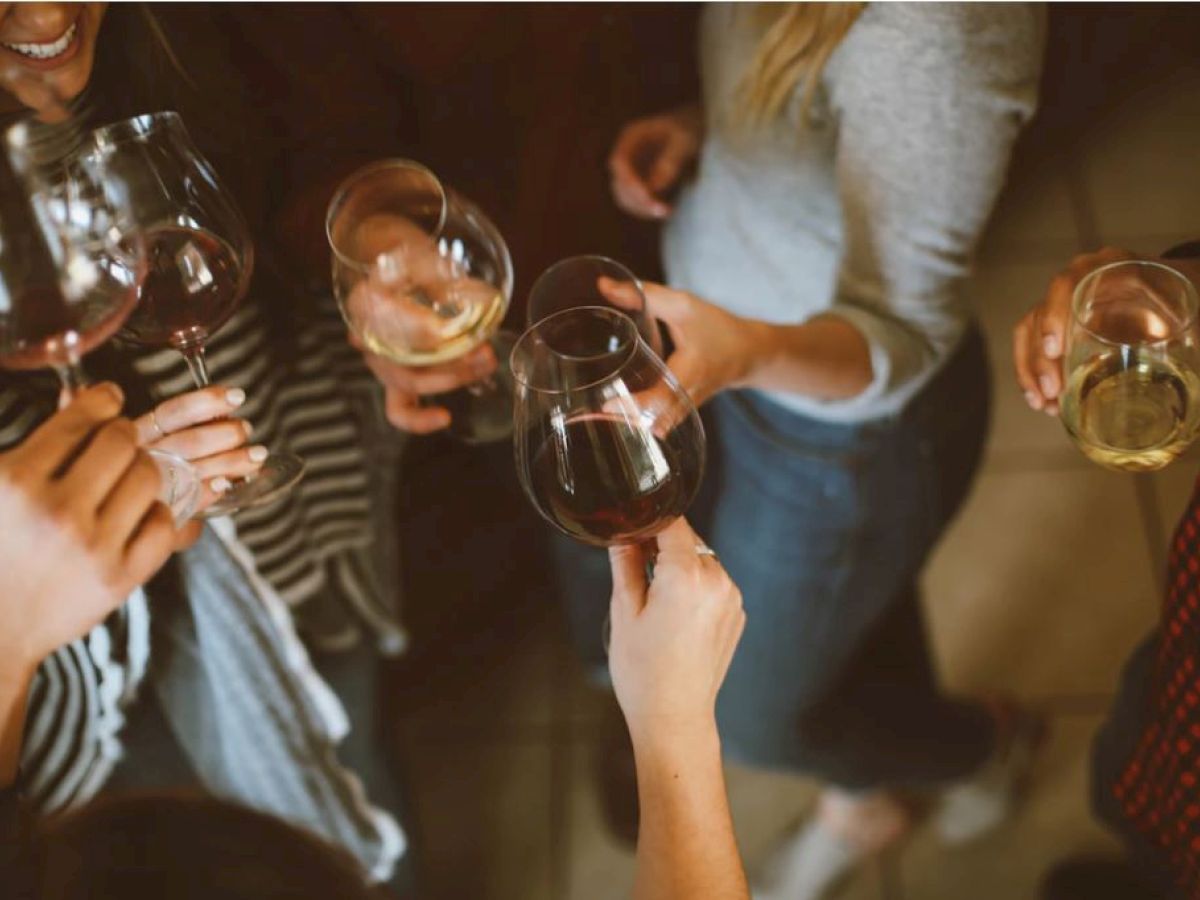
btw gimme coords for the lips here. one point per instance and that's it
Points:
(45, 52)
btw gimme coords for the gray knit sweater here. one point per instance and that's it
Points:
(868, 207)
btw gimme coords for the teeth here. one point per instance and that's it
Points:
(45, 51)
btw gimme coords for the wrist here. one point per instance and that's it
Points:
(663, 740)
(757, 346)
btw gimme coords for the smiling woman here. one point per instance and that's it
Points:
(55, 40)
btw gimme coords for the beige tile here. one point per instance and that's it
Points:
(1042, 585)
(1051, 823)
(483, 819)
(767, 807)
(1140, 163)
(598, 866)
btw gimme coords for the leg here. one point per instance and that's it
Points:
(888, 698)
(825, 528)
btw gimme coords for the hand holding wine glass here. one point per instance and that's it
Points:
(200, 257)
(423, 280)
(70, 275)
(83, 525)
(202, 427)
(1132, 364)
(579, 281)
(673, 637)
(714, 349)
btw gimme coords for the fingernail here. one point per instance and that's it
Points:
(248, 427)
(258, 453)
(235, 397)
(219, 485)
(115, 390)
(1033, 399)
(1049, 388)
(1050, 346)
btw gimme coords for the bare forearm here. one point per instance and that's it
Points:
(686, 846)
(826, 358)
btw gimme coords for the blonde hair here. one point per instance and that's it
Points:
(797, 42)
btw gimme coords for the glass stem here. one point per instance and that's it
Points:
(72, 379)
(66, 362)
(194, 357)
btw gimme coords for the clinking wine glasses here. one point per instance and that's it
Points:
(69, 278)
(200, 257)
(1132, 394)
(609, 447)
(423, 277)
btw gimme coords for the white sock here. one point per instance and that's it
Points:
(808, 865)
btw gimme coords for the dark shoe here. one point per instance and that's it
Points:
(1097, 878)
(616, 777)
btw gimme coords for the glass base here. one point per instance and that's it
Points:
(280, 472)
(482, 413)
(180, 485)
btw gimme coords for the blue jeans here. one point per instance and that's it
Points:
(825, 528)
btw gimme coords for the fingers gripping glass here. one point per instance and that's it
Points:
(423, 277)
(592, 281)
(1132, 397)
(200, 258)
(69, 278)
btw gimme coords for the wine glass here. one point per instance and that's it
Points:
(609, 448)
(200, 257)
(1132, 397)
(576, 281)
(68, 280)
(423, 277)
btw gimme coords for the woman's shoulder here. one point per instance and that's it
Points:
(952, 35)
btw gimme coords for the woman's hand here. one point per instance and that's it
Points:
(714, 349)
(672, 640)
(1040, 338)
(201, 427)
(649, 158)
(405, 385)
(82, 527)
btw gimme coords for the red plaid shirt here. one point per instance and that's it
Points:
(1159, 789)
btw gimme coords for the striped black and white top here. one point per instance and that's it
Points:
(327, 547)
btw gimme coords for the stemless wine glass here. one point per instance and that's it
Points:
(1132, 397)
(423, 277)
(609, 447)
(68, 279)
(575, 281)
(200, 257)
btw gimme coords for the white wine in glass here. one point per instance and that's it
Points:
(422, 277)
(1132, 397)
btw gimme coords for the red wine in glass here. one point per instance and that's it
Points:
(201, 256)
(609, 447)
(44, 332)
(190, 290)
(606, 481)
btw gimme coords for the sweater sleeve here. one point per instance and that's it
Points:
(929, 100)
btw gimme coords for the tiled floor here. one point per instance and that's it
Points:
(1039, 590)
